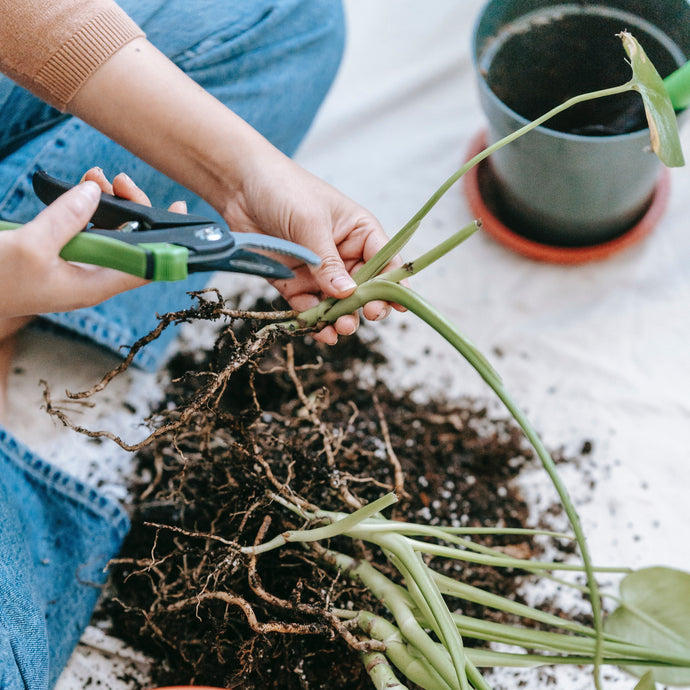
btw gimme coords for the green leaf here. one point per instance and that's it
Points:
(655, 613)
(661, 116)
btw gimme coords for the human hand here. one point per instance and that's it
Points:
(280, 198)
(33, 277)
(190, 136)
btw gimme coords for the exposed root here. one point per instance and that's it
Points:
(399, 486)
(217, 616)
(206, 396)
(210, 311)
(298, 607)
(330, 445)
(254, 624)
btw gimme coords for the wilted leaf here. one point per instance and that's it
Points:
(661, 117)
(655, 613)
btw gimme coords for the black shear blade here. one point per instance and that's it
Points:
(212, 247)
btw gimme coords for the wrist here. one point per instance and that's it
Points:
(248, 183)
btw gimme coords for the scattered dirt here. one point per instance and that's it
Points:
(303, 421)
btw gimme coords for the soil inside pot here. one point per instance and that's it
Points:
(280, 423)
(552, 54)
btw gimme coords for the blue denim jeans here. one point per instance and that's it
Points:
(56, 535)
(271, 62)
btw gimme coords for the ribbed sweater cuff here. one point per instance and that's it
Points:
(71, 66)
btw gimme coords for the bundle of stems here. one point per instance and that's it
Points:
(420, 607)
(425, 640)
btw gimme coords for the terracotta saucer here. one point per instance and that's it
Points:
(477, 181)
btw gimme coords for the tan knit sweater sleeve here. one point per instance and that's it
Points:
(52, 47)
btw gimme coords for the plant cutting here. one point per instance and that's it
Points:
(422, 639)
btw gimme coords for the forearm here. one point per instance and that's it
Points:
(140, 99)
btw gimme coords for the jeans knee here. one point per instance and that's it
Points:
(318, 28)
(328, 16)
(307, 40)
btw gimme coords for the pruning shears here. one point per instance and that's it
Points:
(160, 245)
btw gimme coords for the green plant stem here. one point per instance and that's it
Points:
(499, 561)
(330, 309)
(445, 532)
(475, 160)
(425, 592)
(327, 531)
(393, 292)
(383, 525)
(550, 467)
(379, 288)
(412, 301)
(386, 253)
(472, 553)
(379, 261)
(413, 267)
(380, 672)
(405, 657)
(400, 603)
(387, 287)
(576, 650)
(462, 590)
(530, 638)
(402, 654)
(491, 659)
(373, 529)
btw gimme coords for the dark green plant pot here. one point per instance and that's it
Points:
(589, 176)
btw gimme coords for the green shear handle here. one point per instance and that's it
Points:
(158, 261)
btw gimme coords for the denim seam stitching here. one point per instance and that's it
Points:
(56, 480)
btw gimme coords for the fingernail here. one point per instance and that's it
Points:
(343, 283)
(384, 313)
(309, 302)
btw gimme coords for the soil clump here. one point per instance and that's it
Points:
(321, 424)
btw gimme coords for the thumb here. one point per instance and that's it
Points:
(331, 275)
(68, 215)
